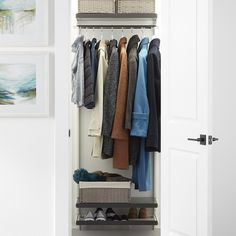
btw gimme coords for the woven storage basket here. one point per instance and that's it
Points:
(136, 6)
(104, 191)
(96, 6)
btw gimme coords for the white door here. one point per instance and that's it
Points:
(185, 75)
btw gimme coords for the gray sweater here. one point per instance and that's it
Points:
(109, 105)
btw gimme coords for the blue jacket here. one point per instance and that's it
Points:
(140, 115)
(140, 119)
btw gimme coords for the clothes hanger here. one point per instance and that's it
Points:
(80, 31)
(154, 32)
(112, 35)
(143, 33)
(122, 32)
(101, 33)
(93, 36)
(132, 31)
(85, 35)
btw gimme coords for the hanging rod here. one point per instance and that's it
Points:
(116, 27)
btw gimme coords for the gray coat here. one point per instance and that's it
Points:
(133, 69)
(78, 72)
(89, 96)
(109, 105)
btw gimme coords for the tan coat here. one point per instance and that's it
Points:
(95, 127)
(119, 133)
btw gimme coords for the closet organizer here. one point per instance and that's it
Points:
(114, 135)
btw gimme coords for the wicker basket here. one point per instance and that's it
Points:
(104, 191)
(136, 6)
(96, 6)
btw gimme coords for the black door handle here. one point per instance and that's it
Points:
(212, 139)
(202, 139)
(194, 139)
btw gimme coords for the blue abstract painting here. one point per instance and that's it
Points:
(17, 84)
(17, 16)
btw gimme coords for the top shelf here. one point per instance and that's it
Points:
(116, 20)
(116, 15)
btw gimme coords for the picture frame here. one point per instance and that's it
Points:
(24, 84)
(24, 23)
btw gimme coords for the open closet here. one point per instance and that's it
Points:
(177, 202)
(124, 30)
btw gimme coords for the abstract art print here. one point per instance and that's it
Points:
(23, 22)
(17, 16)
(24, 84)
(17, 84)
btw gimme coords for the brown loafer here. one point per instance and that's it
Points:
(143, 213)
(133, 213)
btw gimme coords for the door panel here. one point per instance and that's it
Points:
(184, 167)
(183, 191)
(183, 75)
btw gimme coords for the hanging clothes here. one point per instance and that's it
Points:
(95, 126)
(110, 94)
(140, 114)
(89, 96)
(78, 72)
(140, 119)
(119, 133)
(94, 62)
(141, 175)
(132, 53)
(110, 48)
(153, 141)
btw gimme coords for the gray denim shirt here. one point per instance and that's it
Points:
(78, 72)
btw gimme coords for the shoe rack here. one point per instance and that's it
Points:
(136, 202)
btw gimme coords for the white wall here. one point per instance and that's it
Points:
(27, 166)
(26, 175)
(224, 117)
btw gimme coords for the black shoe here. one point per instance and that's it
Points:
(110, 214)
(116, 218)
(124, 218)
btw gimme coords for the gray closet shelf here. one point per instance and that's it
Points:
(138, 202)
(116, 15)
(149, 221)
(116, 20)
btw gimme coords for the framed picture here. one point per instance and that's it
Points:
(24, 79)
(23, 22)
